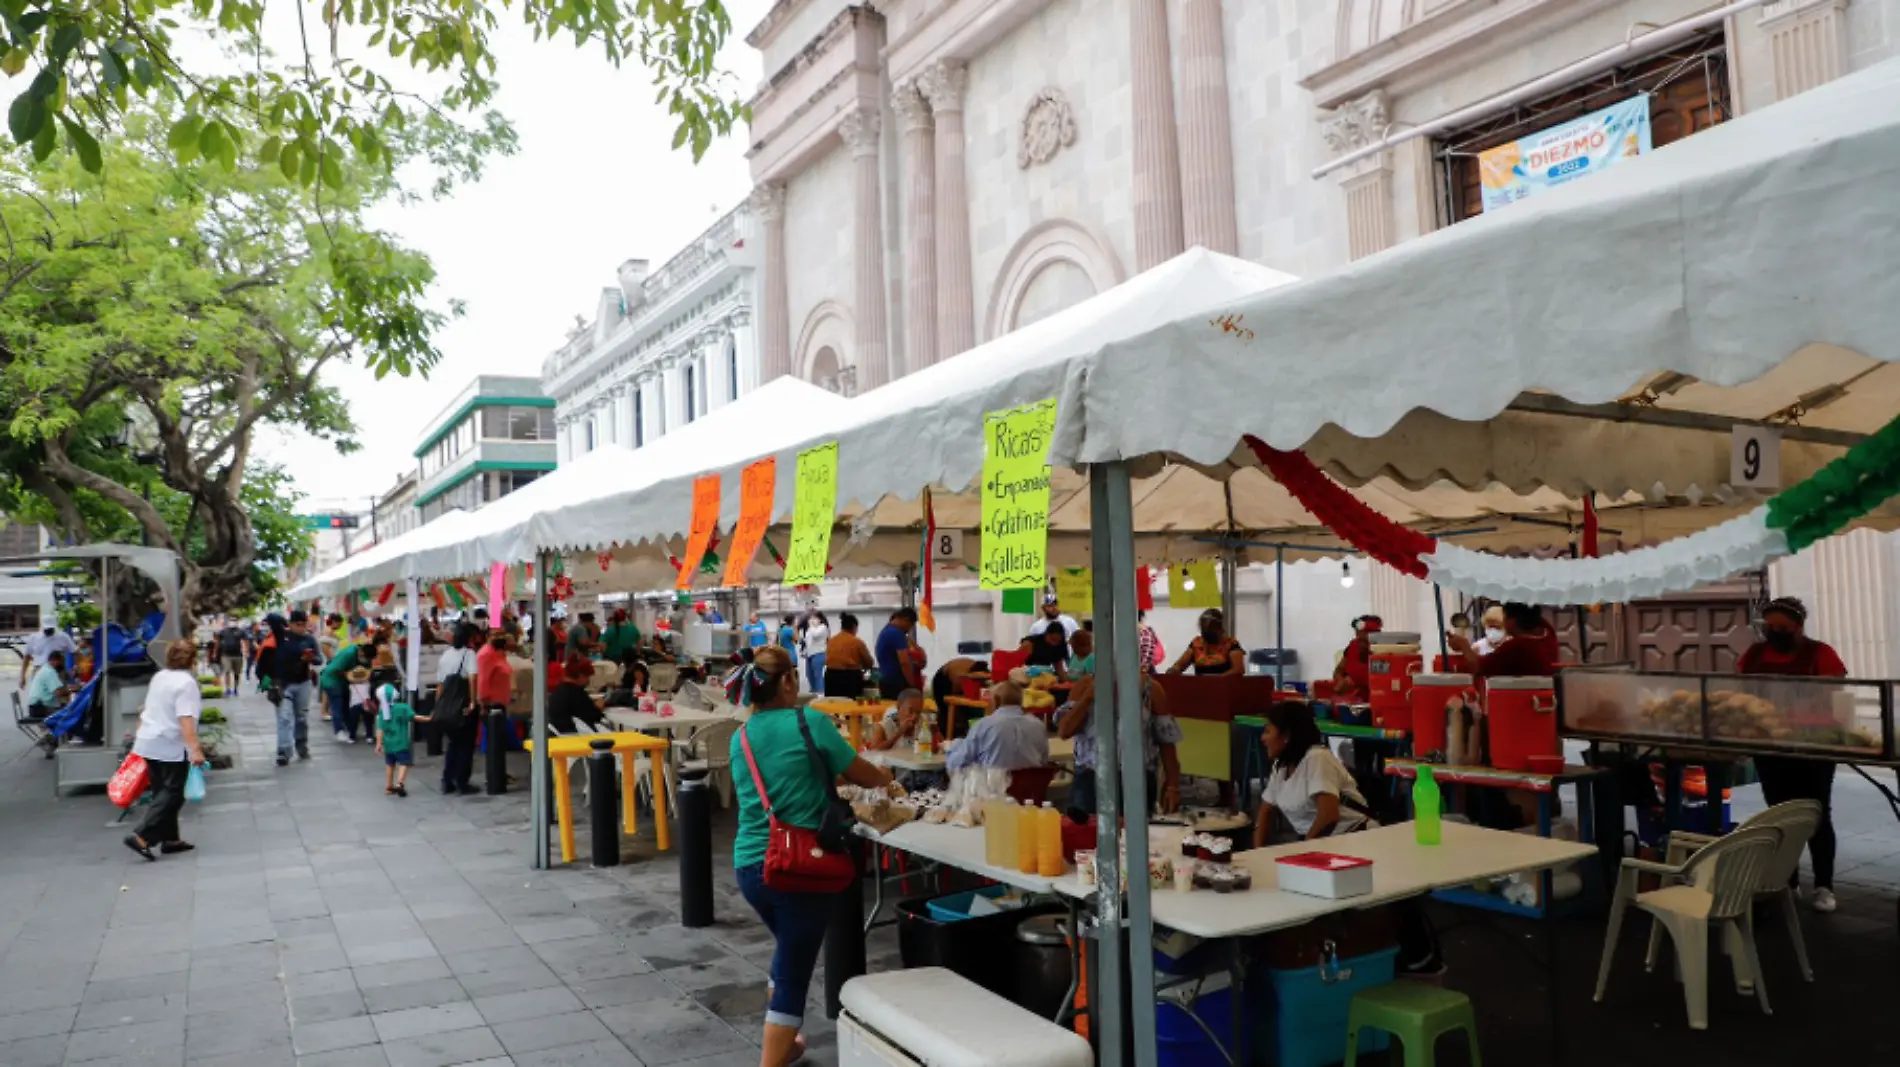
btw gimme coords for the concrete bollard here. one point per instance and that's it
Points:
(603, 807)
(695, 838)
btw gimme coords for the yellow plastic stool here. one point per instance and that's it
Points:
(1416, 1014)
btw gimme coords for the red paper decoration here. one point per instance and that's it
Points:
(1358, 525)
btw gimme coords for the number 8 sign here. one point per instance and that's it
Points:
(1754, 458)
(946, 546)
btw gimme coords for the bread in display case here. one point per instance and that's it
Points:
(1828, 718)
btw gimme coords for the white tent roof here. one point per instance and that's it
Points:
(385, 561)
(1760, 259)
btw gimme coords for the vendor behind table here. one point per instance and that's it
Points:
(1160, 735)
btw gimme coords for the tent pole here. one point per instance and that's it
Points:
(1438, 600)
(1119, 518)
(1229, 590)
(412, 623)
(542, 768)
(1279, 617)
(1106, 1023)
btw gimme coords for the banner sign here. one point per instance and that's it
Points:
(1529, 165)
(755, 514)
(1193, 584)
(705, 524)
(1075, 590)
(814, 509)
(1016, 495)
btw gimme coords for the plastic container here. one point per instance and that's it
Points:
(941, 933)
(1180, 1042)
(1310, 1005)
(1547, 764)
(1389, 674)
(1049, 863)
(1427, 807)
(1028, 837)
(1004, 816)
(1522, 713)
(1430, 694)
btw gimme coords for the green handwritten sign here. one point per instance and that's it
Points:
(814, 507)
(1016, 495)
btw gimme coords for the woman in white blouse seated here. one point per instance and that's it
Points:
(1310, 794)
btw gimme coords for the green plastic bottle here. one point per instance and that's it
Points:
(1426, 807)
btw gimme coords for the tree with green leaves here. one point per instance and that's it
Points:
(357, 72)
(155, 315)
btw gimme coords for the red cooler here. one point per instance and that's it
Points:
(1395, 660)
(1430, 694)
(1522, 713)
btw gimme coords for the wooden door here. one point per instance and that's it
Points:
(1700, 634)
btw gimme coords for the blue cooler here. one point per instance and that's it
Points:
(1308, 1025)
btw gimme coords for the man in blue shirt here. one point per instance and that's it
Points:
(1005, 738)
(755, 632)
(298, 658)
(896, 670)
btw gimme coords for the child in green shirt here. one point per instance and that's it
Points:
(393, 720)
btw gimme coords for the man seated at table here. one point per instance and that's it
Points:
(46, 693)
(1005, 738)
(1160, 736)
(571, 709)
(948, 682)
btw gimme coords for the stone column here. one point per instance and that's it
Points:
(1807, 40)
(563, 447)
(747, 338)
(768, 203)
(1157, 150)
(943, 85)
(860, 131)
(1370, 226)
(920, 237)
(1207, 148)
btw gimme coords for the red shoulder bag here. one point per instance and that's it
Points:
(795, 860)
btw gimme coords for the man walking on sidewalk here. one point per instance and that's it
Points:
(296, 663)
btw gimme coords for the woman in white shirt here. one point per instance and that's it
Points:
(168, 740)
(817, 636)
(1310, 794)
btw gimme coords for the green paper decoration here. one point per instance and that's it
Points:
(1019, 601)
(1862, 479)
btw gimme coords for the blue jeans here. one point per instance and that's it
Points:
(815, 672)
(797, 922)
(340, 717)
(292, 711)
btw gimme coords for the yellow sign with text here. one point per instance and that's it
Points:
(814, 507)
(1016, 495)
(1075, 590)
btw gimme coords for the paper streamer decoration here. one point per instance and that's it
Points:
(705, 524)
(756, 484)
(1193, 584)
(497, 589)
(814, 507)
(1075, 588)
(1019, 601)
(1016, 496)
(382, 598)
(926, 607)
(1144, 589)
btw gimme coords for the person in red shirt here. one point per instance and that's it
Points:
(1785, 649)
(1352, 679)
(1530, 648)
(494, 675)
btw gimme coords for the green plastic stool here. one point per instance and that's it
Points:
(1416, 1014)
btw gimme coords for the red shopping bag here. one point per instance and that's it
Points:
(129, 781)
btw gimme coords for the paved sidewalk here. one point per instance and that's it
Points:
(322, 923)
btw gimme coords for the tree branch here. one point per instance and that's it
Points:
(61, 466)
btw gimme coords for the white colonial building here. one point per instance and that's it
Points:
(931, 174)
(664, 348)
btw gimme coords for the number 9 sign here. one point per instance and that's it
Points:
(1754, 458)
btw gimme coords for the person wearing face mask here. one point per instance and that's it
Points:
(1785, 649)
(1493, 631)
(1214, 652)
(1529, 648)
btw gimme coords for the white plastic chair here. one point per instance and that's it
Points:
(710, 750)
(1796, 819)
(1716, 885)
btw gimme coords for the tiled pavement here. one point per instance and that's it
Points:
(324, 924)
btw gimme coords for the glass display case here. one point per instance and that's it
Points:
(1848, 719)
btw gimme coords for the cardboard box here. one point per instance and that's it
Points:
(1323, 874)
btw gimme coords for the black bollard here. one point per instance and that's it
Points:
(432, 734)
(497, 748)
(695, 837)
(603, 807)
(844, 940)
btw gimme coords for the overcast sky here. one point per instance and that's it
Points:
(533, 243)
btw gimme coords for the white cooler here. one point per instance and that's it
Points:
(930, 1017)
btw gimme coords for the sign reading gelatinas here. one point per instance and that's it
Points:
(1529, 165)
(1016, 495)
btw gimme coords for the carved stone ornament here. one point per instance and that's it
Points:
(943, 84)
(913, 111)
(768, 201)
(1048, 128)
(1356, 123)
(859, 130)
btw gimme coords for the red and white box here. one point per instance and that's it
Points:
(1323, 874)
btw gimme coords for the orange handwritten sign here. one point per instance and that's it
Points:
(705, 524)
(755, 514)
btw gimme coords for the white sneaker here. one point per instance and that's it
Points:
(348, 740)
(1824, 901)
(341, 737)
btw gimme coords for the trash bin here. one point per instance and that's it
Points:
(1041, 971)
(942, 933)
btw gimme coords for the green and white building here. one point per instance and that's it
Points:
(496, 436)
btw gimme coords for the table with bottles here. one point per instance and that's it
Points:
(906, 757)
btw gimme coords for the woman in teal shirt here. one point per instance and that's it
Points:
(799, 792)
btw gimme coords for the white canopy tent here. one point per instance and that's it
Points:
(1602, 338)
